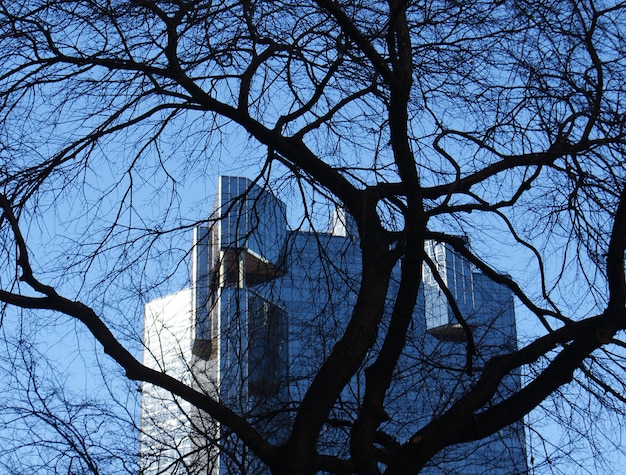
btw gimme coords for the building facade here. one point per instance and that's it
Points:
(265, 308)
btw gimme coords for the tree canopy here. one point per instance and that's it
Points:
(501, 120)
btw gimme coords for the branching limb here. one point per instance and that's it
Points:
(465, 421)
(111, 346)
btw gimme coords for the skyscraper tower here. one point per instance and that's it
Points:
(265, 307)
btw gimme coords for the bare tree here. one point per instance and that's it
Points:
(49, 427)
(504, 121)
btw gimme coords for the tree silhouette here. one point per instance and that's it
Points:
(501, 121)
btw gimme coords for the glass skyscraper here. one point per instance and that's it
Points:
(265, 307)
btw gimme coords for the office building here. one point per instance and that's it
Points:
(264, 308)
